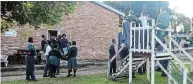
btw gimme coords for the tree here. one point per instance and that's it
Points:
(151, 7)
(185, 20)
(35, 13)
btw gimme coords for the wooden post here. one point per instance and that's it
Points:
(148, 69)
(108, 70)
(130, 54)
(185, 76)
(191, 24)
(130, 67)
(148, 46)
(139, 42)
(153, 53)
(191, 67)
(134, 30)
(170, 48)
(143, 46)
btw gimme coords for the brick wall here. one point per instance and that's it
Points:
(91, 25)
(10, 44)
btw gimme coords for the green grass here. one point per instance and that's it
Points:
(92, 79)
(98, 79)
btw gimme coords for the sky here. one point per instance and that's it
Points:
(182, 6)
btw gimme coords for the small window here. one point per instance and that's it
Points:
(52, 33)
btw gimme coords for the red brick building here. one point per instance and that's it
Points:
(92, 25)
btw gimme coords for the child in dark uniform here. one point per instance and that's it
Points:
(53, 61)
(30, 60)
(72, 61)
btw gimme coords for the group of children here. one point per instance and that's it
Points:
(186, 41)
(53, 50)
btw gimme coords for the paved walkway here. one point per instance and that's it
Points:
(90, 72)
(17, 67)
(86, 70)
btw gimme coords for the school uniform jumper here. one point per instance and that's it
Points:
(111, 54)
(30, 61)
(53, 60)
(72, 54)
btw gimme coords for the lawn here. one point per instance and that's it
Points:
(92, 79)
(99, 79)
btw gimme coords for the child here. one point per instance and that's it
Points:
(143, 19)
(112, 52)
(184, 43)
(48, 49)
(54, 59)
(44, 44)
(72, 61)
(162, 23)
(31, 52)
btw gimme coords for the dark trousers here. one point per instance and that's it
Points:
(161, 35)
(30, 62)
(46, 68)
(142, 69)
(179, 38)
(164, 63)
(58, 69)
(53, 69)
(113, 66)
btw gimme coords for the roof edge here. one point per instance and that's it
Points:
(108, 7)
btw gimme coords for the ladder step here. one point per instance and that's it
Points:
(164, 58)
(140, 55)
(133, 66)
(160, 54)
(134, 63)
(138, 59)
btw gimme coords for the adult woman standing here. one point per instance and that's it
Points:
(30, 60)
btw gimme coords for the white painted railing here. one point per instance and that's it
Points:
(143, 40)
(140, 38)
(137, 44)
